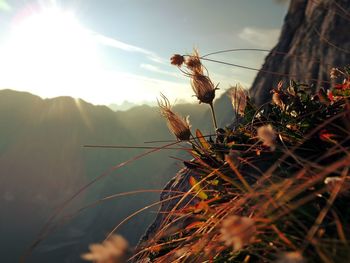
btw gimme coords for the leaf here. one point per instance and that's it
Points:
(327, 136)
(196, 186)
(214, 182)
(201, 206)
(206, 146)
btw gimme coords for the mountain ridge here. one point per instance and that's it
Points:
(43, 158)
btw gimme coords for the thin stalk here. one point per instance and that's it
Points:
(213, 115)
(130, 147)
(261, 70)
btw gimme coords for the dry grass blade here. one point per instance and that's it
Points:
(44, 231)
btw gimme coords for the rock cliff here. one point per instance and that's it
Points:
(314, 39)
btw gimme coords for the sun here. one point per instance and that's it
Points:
(46, 46)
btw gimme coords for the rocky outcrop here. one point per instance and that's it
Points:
(170, 197)
(314, 38)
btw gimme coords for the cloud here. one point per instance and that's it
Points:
(156, 69)
(260, 37)
(114, 43)
(4, 6)
(111, 42)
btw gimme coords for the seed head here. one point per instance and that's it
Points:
(194, 64)
(267, 135)
(204, 88)
(239, 99)
(177, 60)
(179, 126)
(111, 250)
(237, 231)
(291, 257)
(334, 73)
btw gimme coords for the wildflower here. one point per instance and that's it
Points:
(345, 85)
(177, 60)
(290, 257)
(330, 96)
(179, 126)
(194, 64)
(276, 96)
(268, 136)
(238, 99)
(112, 250)
(237, 231)
(203, 87)
(277, 100)
(201, 84)
(334, 73)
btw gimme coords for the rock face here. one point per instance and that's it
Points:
(169, 197)
(314, 39)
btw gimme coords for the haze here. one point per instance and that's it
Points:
(114, 51)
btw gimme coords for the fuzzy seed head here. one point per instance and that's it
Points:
(177, 60)
(194, 64)
(334, 73)
(179, 126)
(268, 136)
(239, 99)
(204, 88)
(112, 250)
(237, 231)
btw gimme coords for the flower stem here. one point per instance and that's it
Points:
(213, 115)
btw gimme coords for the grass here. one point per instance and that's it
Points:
(276, 187)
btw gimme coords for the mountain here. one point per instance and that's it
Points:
(126, 105)
(314, 39)
(43, 163)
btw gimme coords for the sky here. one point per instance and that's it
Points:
(112, 51)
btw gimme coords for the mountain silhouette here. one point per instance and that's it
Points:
(43, 163)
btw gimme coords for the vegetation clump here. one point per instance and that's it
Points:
(273, 187)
